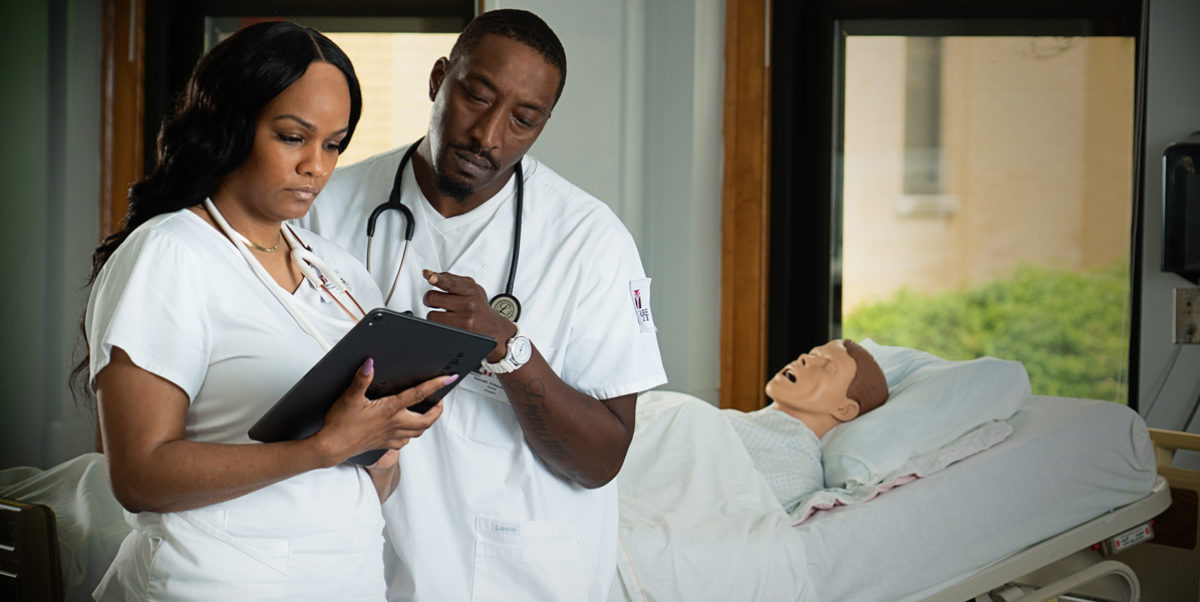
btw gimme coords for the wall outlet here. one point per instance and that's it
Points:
(1187, 315)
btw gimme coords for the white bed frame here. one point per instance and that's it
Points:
(1063, 553)
(1068, 562)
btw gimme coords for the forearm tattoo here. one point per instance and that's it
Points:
(530, 401)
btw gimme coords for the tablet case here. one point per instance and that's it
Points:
(407, 351)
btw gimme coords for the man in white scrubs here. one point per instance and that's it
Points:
(511, 495)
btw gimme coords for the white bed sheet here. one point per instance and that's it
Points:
(699, 523)
(1068, 461)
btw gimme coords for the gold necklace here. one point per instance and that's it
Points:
(258, 247)
(242, 237)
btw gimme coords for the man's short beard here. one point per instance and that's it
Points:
(455, 189)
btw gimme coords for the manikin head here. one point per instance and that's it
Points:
(834, 383)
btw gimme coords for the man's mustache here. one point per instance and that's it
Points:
(482, 154)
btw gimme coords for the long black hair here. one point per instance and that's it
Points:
(211, 131)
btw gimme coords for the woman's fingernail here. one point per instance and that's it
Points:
(450, 379)
(368, 366)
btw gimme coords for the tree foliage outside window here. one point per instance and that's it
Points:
(1066, 326)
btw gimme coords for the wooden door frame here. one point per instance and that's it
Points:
(745, 204)
(121, 108)
(122, 68)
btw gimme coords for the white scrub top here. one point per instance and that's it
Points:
(477, 515)
(181, 301)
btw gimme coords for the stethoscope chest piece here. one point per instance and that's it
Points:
(507, 306)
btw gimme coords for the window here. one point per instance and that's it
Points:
(986, 198)
(392, 43)
(957, 179)
(392, 58)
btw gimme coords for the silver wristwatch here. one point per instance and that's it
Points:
(519, 352)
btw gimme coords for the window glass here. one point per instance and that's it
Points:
(392, 57)
(393, 70)
(986, 199)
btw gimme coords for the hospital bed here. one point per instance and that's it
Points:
(59, 530)
(1021, 515)
(1072, 474)
(1016, 521)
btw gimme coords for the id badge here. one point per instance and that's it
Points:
(484, 383)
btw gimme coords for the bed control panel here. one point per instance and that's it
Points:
(29, 563)
(1128, 539)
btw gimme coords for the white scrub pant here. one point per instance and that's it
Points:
(205, 555)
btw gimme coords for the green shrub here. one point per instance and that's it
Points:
(1069, 328)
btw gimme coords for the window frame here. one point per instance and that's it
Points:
(175, 33)
(149, 49)
(808, 37)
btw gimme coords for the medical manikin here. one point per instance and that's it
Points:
(831, 384)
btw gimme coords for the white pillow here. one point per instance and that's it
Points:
(933, 401)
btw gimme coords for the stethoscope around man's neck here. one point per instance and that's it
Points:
(504, 303)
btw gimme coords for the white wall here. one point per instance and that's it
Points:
(639, 126)
(1172, 113)
(51, 199)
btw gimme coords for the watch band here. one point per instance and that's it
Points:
(518, 346)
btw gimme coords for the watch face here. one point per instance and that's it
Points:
(520, 349)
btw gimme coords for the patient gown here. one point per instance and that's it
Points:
(784, 450)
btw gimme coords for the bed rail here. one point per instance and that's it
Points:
(1166, 443)
(1169, 565)
(1088, 575)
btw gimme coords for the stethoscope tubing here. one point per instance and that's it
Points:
(310, 265)
(520, 209)
(394, 202)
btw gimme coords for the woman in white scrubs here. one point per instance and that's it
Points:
(200, 319)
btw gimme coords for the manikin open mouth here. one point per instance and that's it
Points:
(787, 372)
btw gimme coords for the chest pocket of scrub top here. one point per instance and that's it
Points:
(526, 560)
(479, 410)
(483, 417)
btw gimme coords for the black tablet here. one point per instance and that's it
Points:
(407, 351)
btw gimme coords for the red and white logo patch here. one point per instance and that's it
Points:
(639, 290)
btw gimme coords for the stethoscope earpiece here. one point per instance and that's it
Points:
(313, 268)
